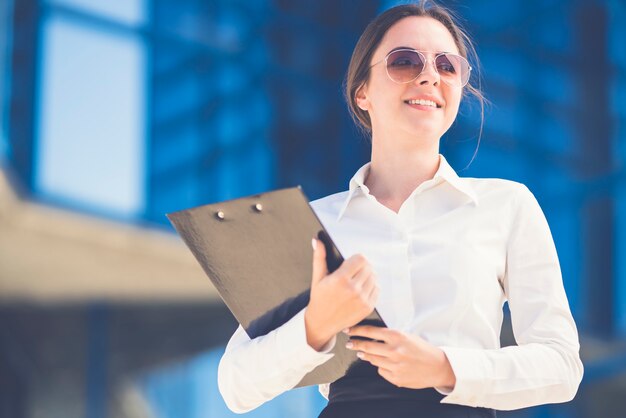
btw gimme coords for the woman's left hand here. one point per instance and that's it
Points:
(402, 359)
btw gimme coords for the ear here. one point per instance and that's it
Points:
(361, 98)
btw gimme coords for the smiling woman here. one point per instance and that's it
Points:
(438, 256)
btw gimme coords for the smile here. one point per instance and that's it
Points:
(423, 102)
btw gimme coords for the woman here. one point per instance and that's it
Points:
(438, 255)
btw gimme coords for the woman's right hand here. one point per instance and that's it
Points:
(338, 300)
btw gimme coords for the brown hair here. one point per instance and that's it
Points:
(359, 67)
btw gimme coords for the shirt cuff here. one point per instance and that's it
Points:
(294, 347)
(470, 370)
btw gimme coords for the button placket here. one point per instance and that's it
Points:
(402, 288)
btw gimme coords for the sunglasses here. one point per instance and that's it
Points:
(405, 65)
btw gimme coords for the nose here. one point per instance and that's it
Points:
(429, 74)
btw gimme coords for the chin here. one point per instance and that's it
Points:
(426, 132)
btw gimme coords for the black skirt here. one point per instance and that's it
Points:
(363, 393)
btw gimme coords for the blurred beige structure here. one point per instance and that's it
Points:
(51, 255)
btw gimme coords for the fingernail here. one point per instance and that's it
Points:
(349, 344)
(359, 354)
(346, 331)
(314, 243)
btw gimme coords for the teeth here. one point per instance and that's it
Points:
(422, 102)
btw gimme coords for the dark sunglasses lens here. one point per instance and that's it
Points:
(404, 66)
(453, 69)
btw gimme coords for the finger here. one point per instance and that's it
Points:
(378, 361)
(387, 375)
(362, 277)
(370, 347)
(369, 283)
(320, 269)
(375, 333)
(352, 265)
(373, 295)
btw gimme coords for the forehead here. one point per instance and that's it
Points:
(417, 32)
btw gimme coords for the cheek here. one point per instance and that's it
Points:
(384, 99)
(453, 101)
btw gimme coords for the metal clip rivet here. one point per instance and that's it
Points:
(220, 215)
(258, 207)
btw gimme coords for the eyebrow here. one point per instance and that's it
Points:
(413, 49)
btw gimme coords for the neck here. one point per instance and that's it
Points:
(399, 167)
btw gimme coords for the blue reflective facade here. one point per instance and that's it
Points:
(246, 97)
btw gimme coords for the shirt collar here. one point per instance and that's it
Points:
(444, 172)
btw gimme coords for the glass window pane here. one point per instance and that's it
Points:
(91, 119)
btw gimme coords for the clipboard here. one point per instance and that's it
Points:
(256, 251)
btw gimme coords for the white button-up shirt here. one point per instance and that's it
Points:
(457, 249)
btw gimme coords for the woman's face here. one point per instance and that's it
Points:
(388, 103)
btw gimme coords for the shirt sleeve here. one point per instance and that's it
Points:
(252, 372)
(545, 366)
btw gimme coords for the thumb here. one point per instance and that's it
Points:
(320, 270)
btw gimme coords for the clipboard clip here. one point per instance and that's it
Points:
(258, 207)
